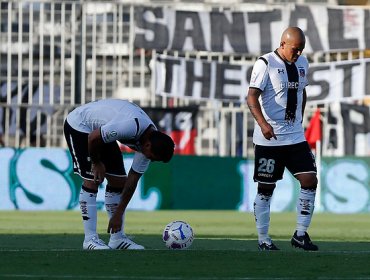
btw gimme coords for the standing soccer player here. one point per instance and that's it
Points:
(277, 98)
(92, 131)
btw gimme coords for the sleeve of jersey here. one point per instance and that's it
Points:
(259, 75)
(113, 131)
(140, 163)
(306, 76)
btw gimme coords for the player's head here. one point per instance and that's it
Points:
(160, 147)
(292, 44)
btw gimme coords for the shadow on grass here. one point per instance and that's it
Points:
(154, 242)
(56, 256)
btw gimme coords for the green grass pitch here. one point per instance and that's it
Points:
(48, 245)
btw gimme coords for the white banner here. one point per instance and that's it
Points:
(200, 79)
(254, 31)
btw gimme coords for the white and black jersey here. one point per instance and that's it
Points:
(277, 80)
(118, 120)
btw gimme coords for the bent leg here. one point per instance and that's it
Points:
(262, 210)
(306, 201)
(113, 193)
(87, 200)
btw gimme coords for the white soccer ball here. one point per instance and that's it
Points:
(178, 235)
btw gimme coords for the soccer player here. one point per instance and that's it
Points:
(92, 131)
(277, 98)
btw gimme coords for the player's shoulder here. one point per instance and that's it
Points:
(302, 60)
(270, 59)
(262, 62)
(266, 58)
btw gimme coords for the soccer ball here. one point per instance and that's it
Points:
(178, 235)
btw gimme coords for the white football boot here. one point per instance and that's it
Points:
(95, 244)
(124, 243)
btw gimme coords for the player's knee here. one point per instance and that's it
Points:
(116, 182)
(113, 189)
(89, 184)
(266, 189)
(308, 181)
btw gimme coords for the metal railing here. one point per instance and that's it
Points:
(55, 55)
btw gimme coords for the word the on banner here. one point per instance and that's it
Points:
(201, 79)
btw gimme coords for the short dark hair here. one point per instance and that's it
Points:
(162, 145)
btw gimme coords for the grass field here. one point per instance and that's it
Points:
(47, 245)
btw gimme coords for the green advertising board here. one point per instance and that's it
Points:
(43, 179)
(196, 182)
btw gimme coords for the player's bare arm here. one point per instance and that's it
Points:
(255, 109)
(129, 188)
(95, 142)
(254, 105)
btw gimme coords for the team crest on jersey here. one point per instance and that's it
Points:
(111, 134)
(302, 72)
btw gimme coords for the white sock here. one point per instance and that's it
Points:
(112, 200)
(88, 208)
(262, 216)
(305, 207)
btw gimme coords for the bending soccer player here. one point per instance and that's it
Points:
(277, 98)
(92, 131)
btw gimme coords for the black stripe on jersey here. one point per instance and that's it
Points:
(256, 88)
(293, 83)
(263, 59)
(137, 126)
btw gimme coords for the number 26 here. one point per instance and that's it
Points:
(266, 165)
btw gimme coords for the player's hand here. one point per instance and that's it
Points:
(268, 131)
(115, 224)
(98, 170)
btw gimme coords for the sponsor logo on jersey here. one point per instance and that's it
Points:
(265, 175)
(289, 85)
(281, 71)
